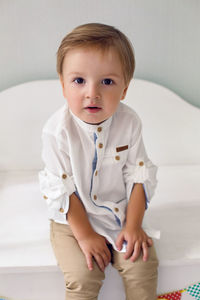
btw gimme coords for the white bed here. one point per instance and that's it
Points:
(171, 129)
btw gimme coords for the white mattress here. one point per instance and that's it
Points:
(174, 210)
(24, 236)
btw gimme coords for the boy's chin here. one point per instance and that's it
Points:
(95, 123)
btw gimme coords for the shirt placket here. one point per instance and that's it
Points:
(99, 153)
(99, 141)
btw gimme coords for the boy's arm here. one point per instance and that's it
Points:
(78, 219)
(57, 185)
(132, 232)
(91, 243)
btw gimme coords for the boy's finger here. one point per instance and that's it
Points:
(106, 258)
(100, 262)
(136, 252)
(89, 261)
(119, 241)
(129, 250)
(150, 242)
(145, 251)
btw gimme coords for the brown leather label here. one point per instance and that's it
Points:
(119, 149)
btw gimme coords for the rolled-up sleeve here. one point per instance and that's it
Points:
(139, 168)
(56, 180)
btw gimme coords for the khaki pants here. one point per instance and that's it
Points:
(140, 278)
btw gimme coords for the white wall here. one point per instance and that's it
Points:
(165, 34)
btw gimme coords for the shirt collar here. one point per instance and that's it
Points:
(90, 127)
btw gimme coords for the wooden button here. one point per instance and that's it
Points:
(96, 173)
(95, 197)
(117, 157)
(45, 197)
(116, 209)
(141, 163)
(100, 145)
(99, 129)
(61, 210)
(64, 176)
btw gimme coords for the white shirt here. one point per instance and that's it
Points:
(100, 163)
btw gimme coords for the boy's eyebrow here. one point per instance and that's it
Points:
(75, 73)
(103, 75)
(111, 75)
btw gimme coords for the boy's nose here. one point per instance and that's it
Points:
(92, 92)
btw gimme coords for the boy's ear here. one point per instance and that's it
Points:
(124, 92)
(62, 84)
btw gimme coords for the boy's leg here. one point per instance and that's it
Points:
(140, 278)
(81, 284)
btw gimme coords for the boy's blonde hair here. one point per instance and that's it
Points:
(102, 37)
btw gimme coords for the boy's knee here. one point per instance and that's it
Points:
(146, 271)
(84, 283)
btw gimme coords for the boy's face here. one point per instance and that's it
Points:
(93, 83)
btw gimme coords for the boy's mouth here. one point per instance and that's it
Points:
(93, 109)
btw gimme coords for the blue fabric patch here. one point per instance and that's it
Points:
(77, 194)
(118, 220)
(146, 199)
(94, 163)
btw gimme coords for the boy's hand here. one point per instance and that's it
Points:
(94, 246)
(137, 241)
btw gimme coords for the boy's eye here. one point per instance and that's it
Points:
(79, 80)
(107, 81)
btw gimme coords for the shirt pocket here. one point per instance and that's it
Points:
(112, 157)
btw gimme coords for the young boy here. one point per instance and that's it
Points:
(98, 179)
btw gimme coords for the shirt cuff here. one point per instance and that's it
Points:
(144, 173)
(56, 190)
